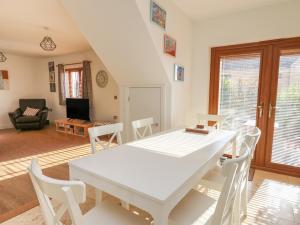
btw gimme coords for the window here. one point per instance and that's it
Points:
(73, 83)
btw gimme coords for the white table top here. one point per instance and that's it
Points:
(157, 166)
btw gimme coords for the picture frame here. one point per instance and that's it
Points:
(4, 81)
(51, 66)
(52, 77)
(158, 15)
(52, 87)
(169, 45)
(178, 72)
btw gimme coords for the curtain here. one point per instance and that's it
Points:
(87, 90)
(61, 84)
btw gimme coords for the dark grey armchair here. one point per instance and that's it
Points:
(29, 122)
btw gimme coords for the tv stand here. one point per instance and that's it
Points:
(73, 126)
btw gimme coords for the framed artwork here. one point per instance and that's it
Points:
(52, 87)
(169, 45)
(51, 66)
(179, 72)
(52, 77)
(4, 80)
(158, 14)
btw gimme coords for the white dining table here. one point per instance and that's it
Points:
(154, 173)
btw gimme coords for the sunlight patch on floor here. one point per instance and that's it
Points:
(13, 168)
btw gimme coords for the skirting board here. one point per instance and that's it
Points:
(6, 126)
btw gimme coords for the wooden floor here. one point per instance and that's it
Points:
(17, 148)
(274, 199)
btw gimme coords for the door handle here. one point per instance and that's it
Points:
(271, 108)
(260, 110)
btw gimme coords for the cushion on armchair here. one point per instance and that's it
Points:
(30, 111)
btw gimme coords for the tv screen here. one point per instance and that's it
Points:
(78, 109)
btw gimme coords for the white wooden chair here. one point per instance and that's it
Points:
(204, 119)
(70, 194)
(139, 124)
(215, 180)
(95, 132)
(198, 208)
(251, 140)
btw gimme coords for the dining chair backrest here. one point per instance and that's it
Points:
(95, 132)
(234, 170)
(47, 188)
(144, 124)
(204, 119)
(252, 139)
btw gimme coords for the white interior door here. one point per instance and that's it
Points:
(146, 102)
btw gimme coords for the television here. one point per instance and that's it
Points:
(78, 109)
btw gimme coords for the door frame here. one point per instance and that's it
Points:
(266, 87)
(217, 53)
(273, 97)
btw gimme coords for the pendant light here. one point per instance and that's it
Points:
(47, 43)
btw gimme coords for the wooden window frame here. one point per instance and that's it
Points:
(267, 72)
(76, 69)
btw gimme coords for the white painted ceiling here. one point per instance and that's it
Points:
(22, 22)
(202, 9)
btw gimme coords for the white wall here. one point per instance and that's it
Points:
(29, 78)
(104, 104)
(278, 21)
(22, 84)
(179, 27)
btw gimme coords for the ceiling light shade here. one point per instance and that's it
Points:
(2, 57)
(48, 44)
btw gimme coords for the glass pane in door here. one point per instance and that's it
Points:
(238, 91)
(286, 139)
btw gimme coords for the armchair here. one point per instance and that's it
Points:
(29, 122)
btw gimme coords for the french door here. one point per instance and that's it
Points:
(258, 84)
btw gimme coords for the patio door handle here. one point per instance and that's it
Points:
(260, 110)
(271, 108)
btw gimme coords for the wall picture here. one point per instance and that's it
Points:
(4, 80)
(52, 87)
(158, 14)
(52, 77)
(169, 45)
(51, 69)
(51, 66)
(179, 72)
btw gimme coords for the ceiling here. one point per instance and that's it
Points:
(202, 9)
(22, 22)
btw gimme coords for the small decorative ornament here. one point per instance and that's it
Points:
(2, 57)
(102, 78)
(47, 43)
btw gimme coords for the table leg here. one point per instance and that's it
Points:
(161, 219)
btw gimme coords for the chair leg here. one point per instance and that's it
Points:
(244, 200)
(237, 210)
